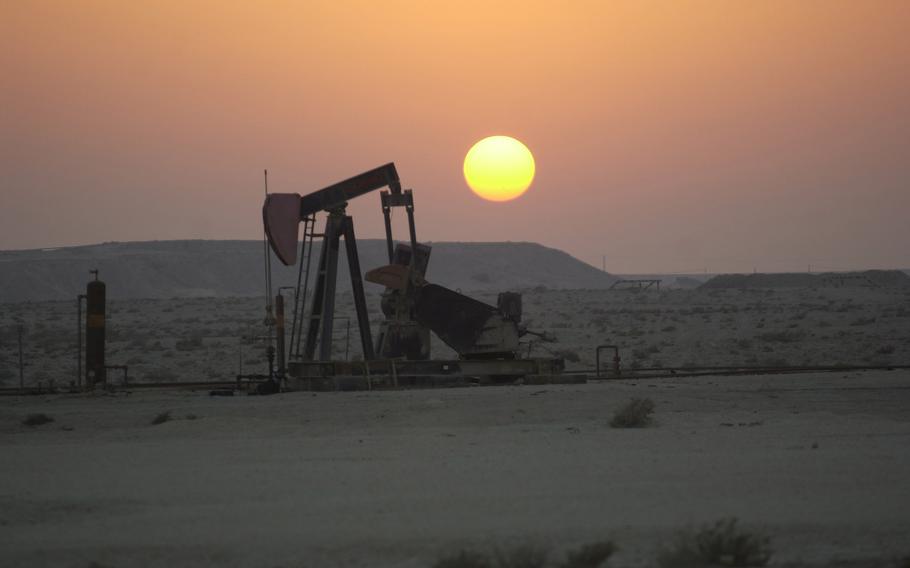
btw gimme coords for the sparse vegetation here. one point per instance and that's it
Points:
(464, 559)
(593, 555)
(635, 414)
(201, 338)
(526, 556)
(189, 344)
(781, 336)
(720, 544)
(162, 418)
(37, 419)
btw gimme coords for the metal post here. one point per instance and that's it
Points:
(19, 329)
(79, 324)
(347, 340)
(280, 330)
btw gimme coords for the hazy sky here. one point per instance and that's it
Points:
(669, 136)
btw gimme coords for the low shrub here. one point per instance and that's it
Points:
(592, 555)
(464, 559)
(720, 544)
(162, 418)
(37, 419)
(635, 414)
(527, 556)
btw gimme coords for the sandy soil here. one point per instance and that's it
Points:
(820, 462)
(214, 338)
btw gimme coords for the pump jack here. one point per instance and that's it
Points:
(413, 307)
(283, 212)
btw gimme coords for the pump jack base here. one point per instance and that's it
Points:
(398, 373)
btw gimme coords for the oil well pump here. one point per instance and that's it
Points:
(485, 337)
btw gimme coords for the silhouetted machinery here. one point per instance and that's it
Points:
(485, 337)
(95, 370)
(95, 296)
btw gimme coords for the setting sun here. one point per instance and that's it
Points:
(499, 168)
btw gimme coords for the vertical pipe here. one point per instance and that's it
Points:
(79, 340)
(21, 365)
(279, 333)
(267, 260)
(95, 333)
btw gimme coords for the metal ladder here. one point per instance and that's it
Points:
(303, 280)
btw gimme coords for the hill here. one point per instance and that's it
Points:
(197, 268)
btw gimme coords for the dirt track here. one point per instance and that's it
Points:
(397, 478)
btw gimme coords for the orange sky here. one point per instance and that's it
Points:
(669, 136)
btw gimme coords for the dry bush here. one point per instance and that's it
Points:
(527, 556)
(635, 414)
(520, 557)
(162, 418)
(592, 555)
(720, 544)
(464, 559)
(37, 419)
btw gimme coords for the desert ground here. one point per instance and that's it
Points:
(816, 462)
(201, 339)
